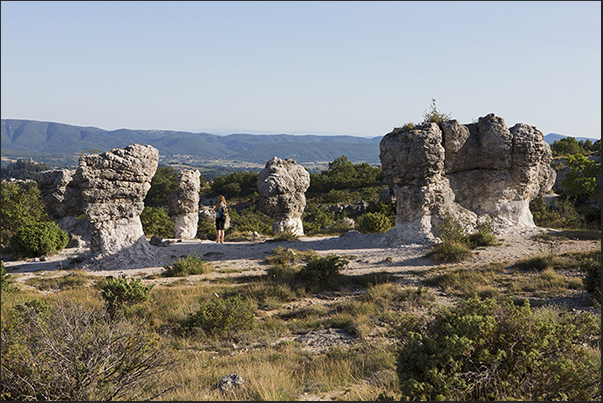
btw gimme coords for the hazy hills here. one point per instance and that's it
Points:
(27, 136)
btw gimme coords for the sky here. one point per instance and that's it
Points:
(310, 67)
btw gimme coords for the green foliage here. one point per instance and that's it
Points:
(39, 239)
(569, 145)
(156, 221)
(342, 174)
(20, 204)
(23, 170)
(249, 219)
(164, 182)
(221, 315)
(6, 282)
(592, 281)
(119, 294)
(408, 126)
(456, 245)
(433, 115)
(369, 223)
(236, 184)
(489, 350)
(73, 353)
(323, 272)
(447, 251)
(206, 228)
(317, 219)
(584, 177)
(564, 214)
(189, 265)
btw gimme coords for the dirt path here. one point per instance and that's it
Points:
(365, 254)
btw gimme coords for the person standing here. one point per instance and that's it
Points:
(221, 214)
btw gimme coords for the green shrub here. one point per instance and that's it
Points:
(456, 245)
(322, 272)
(191, 264)
(119, 294)
(164, 182)
(484, 236)
(219, 316)
(592, 280)
(449, 229)
(206, 229)
(70, 352)
(39, 239)
(369, 223)
(433, 115)
(20, 204)
(249, 219)
(486, 350)
(156, 221)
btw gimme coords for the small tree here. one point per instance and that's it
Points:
(20, 204)
(582, 179)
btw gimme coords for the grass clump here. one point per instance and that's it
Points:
(189, 265)
(73, 279)
(489, 350)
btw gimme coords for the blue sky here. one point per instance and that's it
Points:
(359, 68)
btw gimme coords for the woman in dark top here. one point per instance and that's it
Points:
(221, 212)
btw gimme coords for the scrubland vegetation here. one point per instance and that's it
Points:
(76, 336)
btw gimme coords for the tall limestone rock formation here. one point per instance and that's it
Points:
(113, 186)
(471, 172)
(282, 185)
(183, 204)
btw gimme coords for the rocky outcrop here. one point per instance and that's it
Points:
(113, 186)
(282, 185)
(63, 203)
(183, 204)
(471, 171)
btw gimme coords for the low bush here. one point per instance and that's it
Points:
(369, 223)
(591, 265)
(119, 294)
(488, 350)
(221, 315)
(456, 245)
(323, 272)
(71, 352)
(189, 265)
(39, 239)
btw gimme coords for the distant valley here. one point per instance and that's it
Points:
(26, 138)
(60, 144)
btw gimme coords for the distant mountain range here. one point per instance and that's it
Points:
(24, 138)
(27, 136)
(552, 137)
